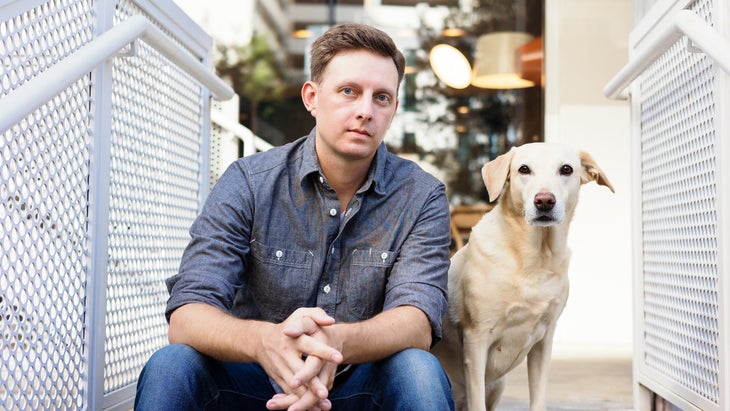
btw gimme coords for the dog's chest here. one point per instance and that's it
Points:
(529, 305)
(515, 304)
(522, 317)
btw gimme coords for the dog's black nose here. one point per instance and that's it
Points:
(544, 201)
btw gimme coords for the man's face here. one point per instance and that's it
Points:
(353, 104)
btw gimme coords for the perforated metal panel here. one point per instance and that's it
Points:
(53, 207)
(44, 170)
(156, 140)
(217, 134)
(679, 219)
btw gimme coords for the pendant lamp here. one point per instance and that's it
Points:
(495, 59)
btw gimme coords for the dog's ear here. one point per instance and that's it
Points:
(591, 172)
(495, 174)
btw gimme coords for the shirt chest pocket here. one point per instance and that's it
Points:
(369, 270)
(281, 279)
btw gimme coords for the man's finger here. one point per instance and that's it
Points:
(312, 367)
(281, 401)
(313, 346)
(305, 325)
(310, 401)
(327, 375)
(306, 322)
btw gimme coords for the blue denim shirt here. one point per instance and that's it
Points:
(270, 239)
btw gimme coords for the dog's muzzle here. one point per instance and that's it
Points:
(543, 212)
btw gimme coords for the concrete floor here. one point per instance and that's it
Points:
(585, 384)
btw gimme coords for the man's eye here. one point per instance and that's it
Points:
(347, 90)
(383, 98)
(524, 169)
(566, 170)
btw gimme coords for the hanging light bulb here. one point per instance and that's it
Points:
(450, 66)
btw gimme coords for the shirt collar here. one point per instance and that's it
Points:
(376, 174)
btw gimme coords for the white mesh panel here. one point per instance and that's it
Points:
(217, 133)
(155, 173)
(680, 219)
(44, 169)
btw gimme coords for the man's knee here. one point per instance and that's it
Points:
(173, 362)
(415, 360)
(171, 379)
(419, 367)
(175, 355)
(418, 378)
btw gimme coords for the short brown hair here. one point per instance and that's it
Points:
(353, 36)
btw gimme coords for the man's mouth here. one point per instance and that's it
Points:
(360, 131)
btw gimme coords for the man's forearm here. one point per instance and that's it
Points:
(385, 334)
(224, 337)
(215, 333)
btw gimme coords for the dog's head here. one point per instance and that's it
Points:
(542, 180)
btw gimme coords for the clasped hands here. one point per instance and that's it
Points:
(299, 354)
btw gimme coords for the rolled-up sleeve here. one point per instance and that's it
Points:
(420, 275)
(212, 265)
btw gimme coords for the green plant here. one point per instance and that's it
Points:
(253, 71)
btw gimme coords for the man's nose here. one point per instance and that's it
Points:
(365, 109)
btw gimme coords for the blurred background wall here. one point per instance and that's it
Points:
(586, 44)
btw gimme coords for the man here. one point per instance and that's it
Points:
(316, 274)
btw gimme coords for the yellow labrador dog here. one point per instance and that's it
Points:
(508, 285)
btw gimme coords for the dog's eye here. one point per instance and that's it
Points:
(524, 169)
(566, 170)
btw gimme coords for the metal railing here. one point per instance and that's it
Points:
(24, 100)
(251, 142)
(700, 37)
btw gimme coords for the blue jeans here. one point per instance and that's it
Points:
(179, 378)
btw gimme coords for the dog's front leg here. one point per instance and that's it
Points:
(538, 370)
(475, 345)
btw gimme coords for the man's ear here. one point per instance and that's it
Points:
(309, 97)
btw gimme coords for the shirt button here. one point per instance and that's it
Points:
(279, 253)
(384, 256)
(327, 289)
(333, 212)
(321, 180)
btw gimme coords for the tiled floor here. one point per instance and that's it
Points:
(576, 384)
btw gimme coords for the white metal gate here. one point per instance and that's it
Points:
(104, 152)
(678, 82)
